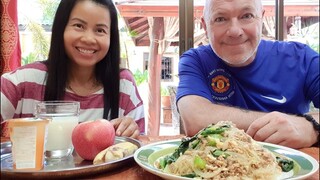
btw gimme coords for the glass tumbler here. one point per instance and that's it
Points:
(63, 116)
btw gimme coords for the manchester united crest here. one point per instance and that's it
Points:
(222, 85)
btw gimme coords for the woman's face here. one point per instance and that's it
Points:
(87, 34)
(234, 29)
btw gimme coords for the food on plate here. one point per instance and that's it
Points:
(115, 152)
(91, 137)
(222, 151)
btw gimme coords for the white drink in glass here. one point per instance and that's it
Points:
(64, 117)
(61, 128)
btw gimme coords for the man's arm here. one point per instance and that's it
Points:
(274, 127)
(198, 112)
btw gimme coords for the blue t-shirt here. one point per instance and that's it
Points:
(284, 76)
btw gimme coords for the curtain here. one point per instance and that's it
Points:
(162, 32)
(269, 26)
(10, 52)
(171, 28)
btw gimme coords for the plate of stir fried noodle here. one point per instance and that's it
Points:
(222, 151)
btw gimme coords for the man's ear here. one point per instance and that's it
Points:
(203, 22)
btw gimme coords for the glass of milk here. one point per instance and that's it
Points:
(63, 116)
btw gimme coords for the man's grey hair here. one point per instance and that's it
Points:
(207, 10)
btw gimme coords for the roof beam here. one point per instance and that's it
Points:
(131, 10)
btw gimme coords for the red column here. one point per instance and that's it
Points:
(156, 35)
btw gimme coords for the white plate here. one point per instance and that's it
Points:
(146, 155)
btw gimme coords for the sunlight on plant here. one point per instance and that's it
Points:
(49, 8)
(140, 77)
(40, 42)
(31, 57)
(133, 33)
(164, 91)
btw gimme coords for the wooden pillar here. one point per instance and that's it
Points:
(154, 69)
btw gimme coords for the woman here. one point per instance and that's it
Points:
(83, 65)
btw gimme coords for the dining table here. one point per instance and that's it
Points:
(132, 171)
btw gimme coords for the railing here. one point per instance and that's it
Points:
(176, 119)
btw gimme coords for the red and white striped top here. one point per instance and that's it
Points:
(21, 88)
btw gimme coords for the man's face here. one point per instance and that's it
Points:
(234, 29)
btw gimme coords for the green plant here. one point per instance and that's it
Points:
(40, 42)
(48, 8)
(133, 33)
(164, 91)
(31, 57)
(140, 77)
(315, 47)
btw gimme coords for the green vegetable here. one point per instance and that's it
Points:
(219, 152)
(213, 138)
(199, 162)
(180, 150)
(193, 175)
(285, 164)
(195, 143)
(214, 130)
(163, 163)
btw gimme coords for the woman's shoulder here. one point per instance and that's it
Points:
(38, 65)
(126, 74)
(28, 72)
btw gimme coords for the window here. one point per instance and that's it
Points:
(166, 69)
(145, 61)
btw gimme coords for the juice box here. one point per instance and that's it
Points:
(28, 138)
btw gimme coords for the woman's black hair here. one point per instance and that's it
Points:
(107, 71)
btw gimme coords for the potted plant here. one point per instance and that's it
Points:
(166, 105)
(165, 98)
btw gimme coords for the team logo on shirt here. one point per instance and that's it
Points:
(221, 84)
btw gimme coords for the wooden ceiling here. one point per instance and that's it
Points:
(135, 13)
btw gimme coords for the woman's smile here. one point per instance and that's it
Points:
(85, 51)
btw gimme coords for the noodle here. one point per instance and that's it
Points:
(221, 151)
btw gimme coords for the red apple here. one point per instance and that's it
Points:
(91, 137)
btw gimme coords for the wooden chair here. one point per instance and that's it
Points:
(176, 119)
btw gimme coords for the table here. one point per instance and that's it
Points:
(134, 172)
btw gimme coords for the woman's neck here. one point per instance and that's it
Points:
(83, 82)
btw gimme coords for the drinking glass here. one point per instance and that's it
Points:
(64, 116)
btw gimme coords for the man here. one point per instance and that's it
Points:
(259, 85)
